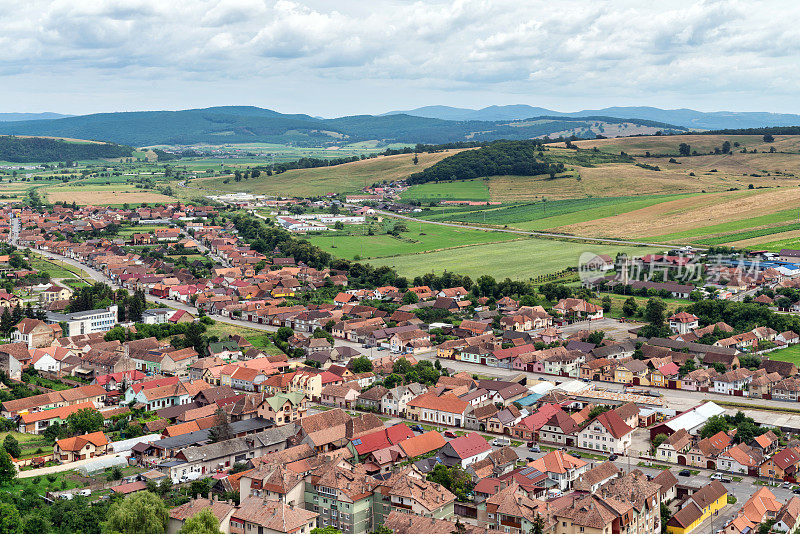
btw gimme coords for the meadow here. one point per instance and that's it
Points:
(519, 259)
(789, 354)
(462, 190)
(421, 237)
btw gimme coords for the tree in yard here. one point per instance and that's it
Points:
(658, 440)
(455, 479)
(7, 469)
(596, 337)
(203, 522)
(381, 529)
(9, 519)
(684, 149)
(283, 333)
(606, 304)
(714, 425)
(416, 159)
(665, 516)
(221, 431)
(36, 523)
(538, 524)
(410, 298)
(326, 530)
(140, 513)
(459, 527)
(655, 312)
(11, 445)
(362, 364)
(597, 410)
(629, 307)
(85, 421)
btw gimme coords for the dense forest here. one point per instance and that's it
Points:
(518, 158)
(237, 124)
(37, 149)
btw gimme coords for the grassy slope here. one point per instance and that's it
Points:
(466, 190)
(789, 354)
(520, 259)
(337, 179)
(419, 238)
(700, 143)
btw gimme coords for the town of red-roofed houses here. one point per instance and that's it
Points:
(211, 356)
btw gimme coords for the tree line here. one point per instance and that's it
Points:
(517, 158)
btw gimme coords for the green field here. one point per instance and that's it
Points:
(789, 354)
(543, 215)
(464, 190)
(421, 237)
(520, 259)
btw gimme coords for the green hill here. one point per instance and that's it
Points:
(242, 124)
(39, 149)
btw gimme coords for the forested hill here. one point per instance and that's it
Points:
(38, 149)
(242, 124)
(515, 158)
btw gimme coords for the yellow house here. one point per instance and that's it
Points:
(708, 500)
(623, 375)
(657, 379)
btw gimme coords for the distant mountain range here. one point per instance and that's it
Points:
(12, 117)
(242, 124)
(688, 118)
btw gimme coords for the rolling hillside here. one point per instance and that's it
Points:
(221, 125)
(688, 118)
(40, 149)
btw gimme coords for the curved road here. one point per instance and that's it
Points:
(97, 276)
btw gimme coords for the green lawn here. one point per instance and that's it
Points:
(776, 246)
(421, 237)
(462, 190)
(520, 260)
(789, 354)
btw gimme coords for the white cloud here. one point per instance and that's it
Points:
(605, 50)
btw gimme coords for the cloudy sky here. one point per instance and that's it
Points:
(370, 56)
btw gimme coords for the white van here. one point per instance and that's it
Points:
(501, 442)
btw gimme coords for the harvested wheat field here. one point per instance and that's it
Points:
(688, 213)
(668, 144)
(105, 198)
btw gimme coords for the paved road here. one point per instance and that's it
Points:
(675, 399)
(98, 276)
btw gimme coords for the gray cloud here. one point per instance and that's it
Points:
(606, 51)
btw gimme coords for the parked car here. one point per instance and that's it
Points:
(531, 444)
(530, 458)
(501, 442)
(716, 476)
(685, 473)
(450, 434)
(796, 491)
(612, 457)
(786, 485)
(85, 492)
(417, 428)
(534, 448)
